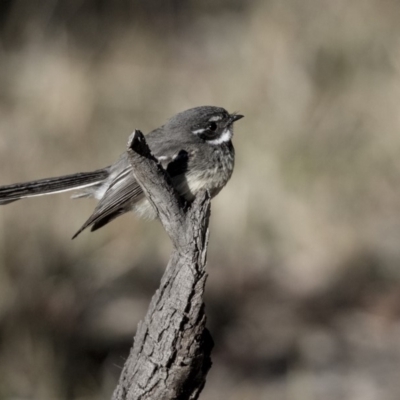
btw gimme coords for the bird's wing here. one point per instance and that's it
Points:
(124, 191)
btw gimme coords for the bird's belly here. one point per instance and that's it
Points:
(144, 209)
(192, 182)
(211, 179)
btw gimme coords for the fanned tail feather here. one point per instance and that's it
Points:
(41, 187)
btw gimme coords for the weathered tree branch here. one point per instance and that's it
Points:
(171, 353)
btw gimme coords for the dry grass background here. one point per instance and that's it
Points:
(304, 281)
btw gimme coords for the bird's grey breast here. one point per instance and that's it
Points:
(208, 170)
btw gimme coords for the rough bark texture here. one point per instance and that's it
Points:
(171, 353)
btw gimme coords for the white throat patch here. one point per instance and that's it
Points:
(226, 136)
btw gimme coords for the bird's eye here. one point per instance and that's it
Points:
(213, 126)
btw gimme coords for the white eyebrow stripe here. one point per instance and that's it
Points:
(215, 118)
(196, 132)
(226, 136)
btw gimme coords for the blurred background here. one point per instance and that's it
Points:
(303, 293)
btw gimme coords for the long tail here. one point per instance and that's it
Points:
(59, 184)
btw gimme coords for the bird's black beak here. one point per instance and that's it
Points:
(236, 117)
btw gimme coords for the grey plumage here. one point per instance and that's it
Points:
(41, 187)
(194, 147)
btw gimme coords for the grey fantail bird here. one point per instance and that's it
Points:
(194, 147)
